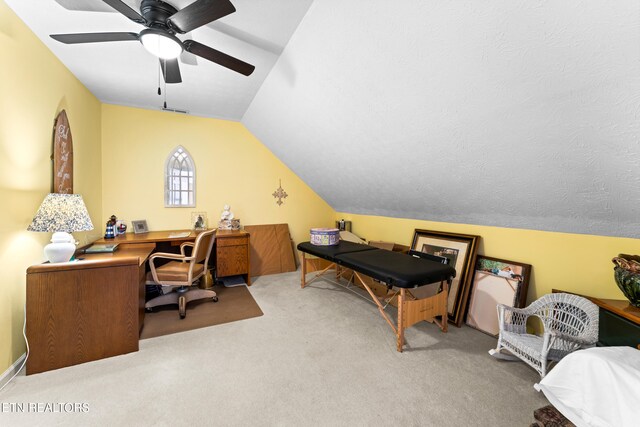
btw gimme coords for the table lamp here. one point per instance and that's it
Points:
(61, 214)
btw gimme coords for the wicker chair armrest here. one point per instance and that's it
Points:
(524, 311)
(518, 318)
(572, 338)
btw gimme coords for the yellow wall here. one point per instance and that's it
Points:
(34, 87)
(573, 262)
(232, 167)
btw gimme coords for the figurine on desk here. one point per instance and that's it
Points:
(111, 226)
(228, 220)
(115, 227)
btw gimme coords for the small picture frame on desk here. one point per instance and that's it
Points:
(199, 221)
(140, 226)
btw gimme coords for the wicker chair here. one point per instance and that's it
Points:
(570, 323)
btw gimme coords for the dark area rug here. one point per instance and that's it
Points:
(233, 304)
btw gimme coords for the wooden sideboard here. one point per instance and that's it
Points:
(232, 254)
(85, 310)
(619, 323)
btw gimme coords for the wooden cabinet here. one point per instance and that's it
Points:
(85, 310)
(619, 323)
(232, 254)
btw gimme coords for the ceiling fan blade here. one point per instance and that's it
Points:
(188, 58)
(218, 57)
(93, 37)
(125, 10)
(170, 70)
(199, 13)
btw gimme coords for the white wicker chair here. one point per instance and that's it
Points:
(570, 323)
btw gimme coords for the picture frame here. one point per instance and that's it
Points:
(461, 249)
(140, 226)
(199, 221)
(496, 281)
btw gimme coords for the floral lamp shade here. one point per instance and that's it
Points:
(61, 214)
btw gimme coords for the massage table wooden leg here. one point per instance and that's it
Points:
(443, 309)
(303, 261)
(401, 308)
(376, 301)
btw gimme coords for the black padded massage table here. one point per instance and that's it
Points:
(397, 270)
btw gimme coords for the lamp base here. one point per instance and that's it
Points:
(61, 248)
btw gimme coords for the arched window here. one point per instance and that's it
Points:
(179, 179)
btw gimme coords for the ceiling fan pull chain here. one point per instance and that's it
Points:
(165, 84)
(159, 71)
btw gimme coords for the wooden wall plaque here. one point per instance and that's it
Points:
(62, 155)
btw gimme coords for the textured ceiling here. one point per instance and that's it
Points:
(124, 73)
(509, 113)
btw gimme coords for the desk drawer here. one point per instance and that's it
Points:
(232, 241)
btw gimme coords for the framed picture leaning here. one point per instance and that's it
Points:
(496, 281)
(461, 249)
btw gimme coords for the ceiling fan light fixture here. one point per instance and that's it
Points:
(161, 44)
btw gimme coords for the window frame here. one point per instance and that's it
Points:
(168, 167)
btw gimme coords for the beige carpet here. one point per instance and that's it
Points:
(233, 304)
(320, 356)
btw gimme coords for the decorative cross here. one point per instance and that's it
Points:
(280, 194)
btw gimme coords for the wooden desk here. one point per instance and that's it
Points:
(85, 310)
(152, 237)
(231, 248)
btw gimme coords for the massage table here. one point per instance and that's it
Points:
(396, 270)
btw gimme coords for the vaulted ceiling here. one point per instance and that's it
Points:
(124, 73)
(502, 112)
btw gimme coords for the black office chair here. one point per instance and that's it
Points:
(181, 272)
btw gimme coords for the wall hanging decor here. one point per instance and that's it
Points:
(62, 155)
(280, 194)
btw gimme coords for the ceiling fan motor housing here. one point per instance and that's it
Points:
(156, 14)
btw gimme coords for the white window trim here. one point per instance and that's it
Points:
(192, 164)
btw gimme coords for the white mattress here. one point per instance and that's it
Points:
(596, 387)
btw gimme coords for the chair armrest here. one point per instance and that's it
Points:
(164, 255)
(524, 311)
(517, 320)
(185, 245)
(572, 338)
(167, 255)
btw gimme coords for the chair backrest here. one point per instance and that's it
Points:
(569, 314)
(202, 247)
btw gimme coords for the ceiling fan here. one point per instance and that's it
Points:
(163, 21)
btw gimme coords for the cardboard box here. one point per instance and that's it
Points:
(390, 246)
